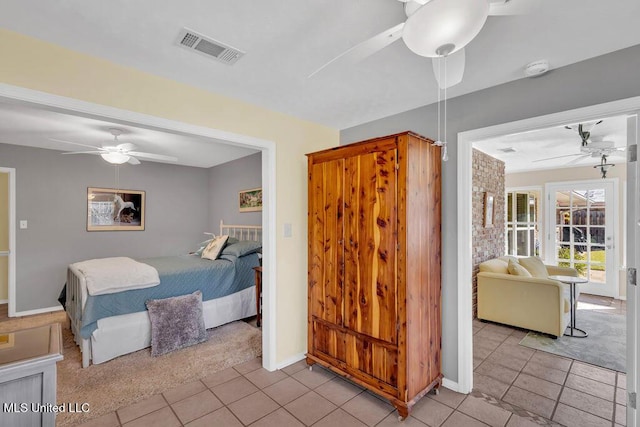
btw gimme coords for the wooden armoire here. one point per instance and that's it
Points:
(374, 265)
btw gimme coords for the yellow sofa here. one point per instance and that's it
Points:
(534, 303)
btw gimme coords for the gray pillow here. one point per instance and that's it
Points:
(241, 248)
(176, 323)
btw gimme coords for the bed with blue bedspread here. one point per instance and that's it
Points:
(109, 325)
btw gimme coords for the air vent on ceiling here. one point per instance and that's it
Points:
(507, 150)
(208, 46)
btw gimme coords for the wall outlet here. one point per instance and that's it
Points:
(23, 224)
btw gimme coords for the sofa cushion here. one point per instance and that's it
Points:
(535, 266)
(517, 270)
(495, 265)
(507, 258)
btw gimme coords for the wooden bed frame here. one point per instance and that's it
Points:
(243, 301)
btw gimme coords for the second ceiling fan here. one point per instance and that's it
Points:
(437, 29)
(118, 153)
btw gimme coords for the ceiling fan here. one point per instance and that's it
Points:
(597, 148)
(118, 153)
(584, 134)
(438, 29)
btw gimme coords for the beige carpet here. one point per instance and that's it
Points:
(133, 377)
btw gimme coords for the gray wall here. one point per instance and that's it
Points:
(225, 181)
(51, 194)
(602, 79)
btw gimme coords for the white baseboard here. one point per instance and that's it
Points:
(4, 301)
(291, 360)
(37, 311)
(451, 385)
(622, 297)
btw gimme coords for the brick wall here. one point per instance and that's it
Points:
(487, 242)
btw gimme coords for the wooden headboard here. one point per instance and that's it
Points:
(242, 232)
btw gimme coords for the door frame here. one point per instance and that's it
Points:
(12, 239)
(549, 239)
(632, 236)
(78, 107)
(464, 211)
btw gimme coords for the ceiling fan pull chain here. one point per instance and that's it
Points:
(445, 154)
(439, 75)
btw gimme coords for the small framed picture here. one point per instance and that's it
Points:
(109, 209)
(489, 199)
(250, 200)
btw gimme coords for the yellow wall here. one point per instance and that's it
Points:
(38, 65)
(4, 235)
(539, 178)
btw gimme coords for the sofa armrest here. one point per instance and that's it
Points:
(554, 270)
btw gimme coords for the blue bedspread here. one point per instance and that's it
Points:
(179, 275)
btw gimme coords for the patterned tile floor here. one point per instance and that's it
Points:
(553, 390)
(514, 386)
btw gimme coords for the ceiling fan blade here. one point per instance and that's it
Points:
(577, 159)
(513, 7)
(83, 152)
(74, 143)
(557, 157)
(133, 161)
(151, 156)
(452, 74)
(366, 48)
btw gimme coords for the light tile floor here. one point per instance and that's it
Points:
(514, 386)
(543, 387)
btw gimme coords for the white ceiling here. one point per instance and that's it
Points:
(533, 148)
(34, 127)
(286, 40)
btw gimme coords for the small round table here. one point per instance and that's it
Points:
(572, 281)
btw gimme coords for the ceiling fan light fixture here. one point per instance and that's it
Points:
(439, 23)
(604, 166)
(115, 158)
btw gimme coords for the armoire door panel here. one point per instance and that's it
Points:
(370, 244)
(378, 361)
(329, 340)
(326, 241)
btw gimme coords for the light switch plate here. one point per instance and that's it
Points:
(287, 229)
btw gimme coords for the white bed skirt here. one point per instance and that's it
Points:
(119, 335)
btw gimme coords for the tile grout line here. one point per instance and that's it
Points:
(171, 409)
(564, 383)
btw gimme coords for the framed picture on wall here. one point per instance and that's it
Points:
(250, 200)
(489, 199)
(109, 209)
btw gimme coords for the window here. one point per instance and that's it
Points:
(522, 223)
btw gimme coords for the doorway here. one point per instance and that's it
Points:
(268, 148)
(7, 235)
(630, 107)
(582, 220)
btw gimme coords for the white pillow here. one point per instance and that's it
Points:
(214, 247)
